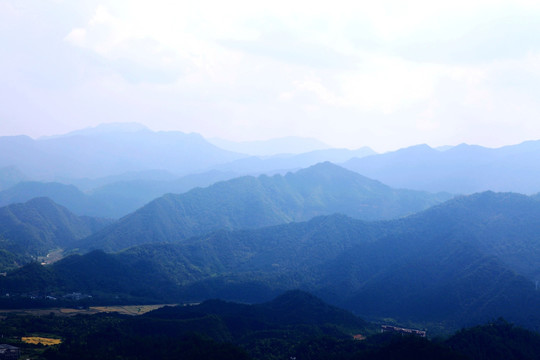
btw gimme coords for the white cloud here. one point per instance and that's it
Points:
(377, 72)
(77, 37)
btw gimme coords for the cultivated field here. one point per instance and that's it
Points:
(127, 310)
(35, 340)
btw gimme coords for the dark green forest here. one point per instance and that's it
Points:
(253, 202)
(293, 325)
(295, 265)
(461, 263)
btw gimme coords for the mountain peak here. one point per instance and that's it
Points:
(116, 127)
(324, 168)
(104, 128)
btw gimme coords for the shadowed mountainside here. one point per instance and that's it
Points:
(462, 262)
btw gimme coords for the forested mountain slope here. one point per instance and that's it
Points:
(250, 202)
(33, 228)
(113, 199)
(465, 261)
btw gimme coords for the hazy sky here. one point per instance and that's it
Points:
(385, 74)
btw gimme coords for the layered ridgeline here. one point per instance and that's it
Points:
(10, 176)
(255, 165)
(249, 202)
(468, 260)
(68, 196)
(113, 199)
(285, 145)
(108, 150)
(38, 226)
(461, 169)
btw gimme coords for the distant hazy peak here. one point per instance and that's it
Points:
(40, 202)
(468, 147)
(42, 205)
(324, 167)
(105, 128)
(486, 202)
(284, 145)
(419, 147)
(9, 176)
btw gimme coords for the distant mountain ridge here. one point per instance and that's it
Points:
(285, 145)
(117, 148)
(255, 165)
(104, 128)
(462, 169)
(66, 195)
(250, 202)
(109, 151)
(112, 200)
(10, 176)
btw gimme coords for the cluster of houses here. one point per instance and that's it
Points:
(403, 331)
(9, 352)
(76, 296)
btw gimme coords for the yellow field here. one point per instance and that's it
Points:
(40, 340)
(127, 310)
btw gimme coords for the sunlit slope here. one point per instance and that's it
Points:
(249, 202)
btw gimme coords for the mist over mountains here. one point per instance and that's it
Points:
(270, 180)
(106, 150)
(114, 199)
(136, 216)
(249, 202)
(462, 169)
(10, 176)
(286, 145)
(114, 149)
(109, 153)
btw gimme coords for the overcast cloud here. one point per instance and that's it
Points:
(384, 74)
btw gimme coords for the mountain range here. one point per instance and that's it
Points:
(462, 169)
(110, 149)
(111, 200)
(196, 222)
(255, 165)
(285, 145)
(461, 262)
(249, 202)
(94, 157)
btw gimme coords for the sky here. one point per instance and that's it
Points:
(384, 74)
